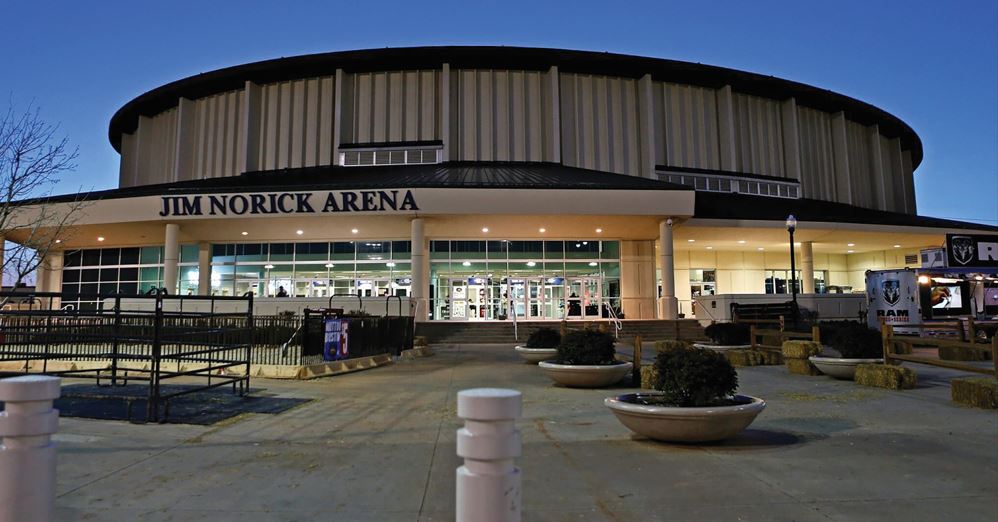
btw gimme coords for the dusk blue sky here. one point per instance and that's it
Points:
(932, 64)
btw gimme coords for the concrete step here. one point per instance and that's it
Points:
(502, 331)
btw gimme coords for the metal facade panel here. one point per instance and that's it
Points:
(758, 136)
(817, 164)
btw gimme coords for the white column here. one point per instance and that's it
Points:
(807, 267)
(488, 484)
(54, 276)
(420, 280)
(41, 276)
(171, 256)
(27, 455)
(668, 304)
(204, 268)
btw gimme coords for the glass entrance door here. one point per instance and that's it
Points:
(459, 299)
(584, 298)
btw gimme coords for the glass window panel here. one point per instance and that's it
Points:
(71, 276)
(610, 249)
(128, 274)
(188, 280)
(345, 250)
(554, 250)
(709, 276)
(440, 247)
(108, 288)
(110, 256)
(222, 279)
(496, 249)
(581, 269)
(526, 249)
(91, 288)
(149, 274)
(311, 251)
(108, 274)
(373, 250)
(128, 288)
(150, 255)
(90, 275)
(73, 258)
(91, 257)
(282, 251)
(582, 249)
(70, 289)
(696, 275)
(401, 249)
(468, 249)
(188, 254)
(610, 269)
(130, 256)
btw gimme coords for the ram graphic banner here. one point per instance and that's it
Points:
(971, 251)
(892, 296)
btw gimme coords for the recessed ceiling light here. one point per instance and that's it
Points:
(710, 248)
(850, 244)
(354, 231)
(897, 246)
(760, 248)
(593, 263)
(330, 265)
(100, 238)
(390, 264)
(268, 267)
(850, 251)
(299, 232)
(485, 230)
(466, 263)
(542, 230)
(599, 230)
(245, 233)
(741, 241)
(531, 263)
(691, 240)
(57, 241)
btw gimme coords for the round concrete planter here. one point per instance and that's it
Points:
(722, 347)
(677, 424)
(536, 355)
(840, 368)
(585, 376)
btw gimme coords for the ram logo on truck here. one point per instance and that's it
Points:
(963, 249)
(892, 291)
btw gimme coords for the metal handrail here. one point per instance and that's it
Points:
(617, 325)
(284, 347)
(516, 328)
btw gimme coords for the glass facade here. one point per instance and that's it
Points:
(118, 270)
(540, 279)
(778, 282)
(369, 267)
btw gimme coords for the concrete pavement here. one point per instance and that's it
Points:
(379, 445)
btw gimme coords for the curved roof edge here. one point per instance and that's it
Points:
(125, 120)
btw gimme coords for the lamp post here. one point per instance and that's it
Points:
(791, 226)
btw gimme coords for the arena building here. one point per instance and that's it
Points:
(486, 183)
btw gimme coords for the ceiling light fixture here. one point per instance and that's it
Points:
(691, 240)
(741, 241)
(710, 248)
(850, 251)
(268, 267)
(593, 263)
(897, 246)
(485, 230)
(299, 232)
(100, 238)
(599, 230)
(245, 233)
(354, 231)
(57, 241)
(330, 265)
(542, 230)
(850, 244)
(466, 263)
(760, 248)
(531, 263)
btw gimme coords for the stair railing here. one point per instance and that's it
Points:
(617, 325)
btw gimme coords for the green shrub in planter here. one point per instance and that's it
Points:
(852, 339)
(586, 347)
(695, 377)
(544, 338)
(728, 334)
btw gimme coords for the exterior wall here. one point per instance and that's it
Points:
(391, 106)
(501, 116)
(686, 132)
(295, 124)
(600, 123)
(614, 124)
(637, 279)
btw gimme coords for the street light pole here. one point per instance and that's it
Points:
(791, 227)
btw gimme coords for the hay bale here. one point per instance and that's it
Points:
(800, 349)
(979, 392)
(648, 376)
(965, 353)
(743, 357)
(670, 345)
(770, 358)
(886, 376)
(420, 340)
(801, 367)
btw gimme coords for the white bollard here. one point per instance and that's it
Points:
(27, 454)
(488, 484)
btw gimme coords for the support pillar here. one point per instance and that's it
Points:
(171, 257)
(668, 304)
(807, 267)
(53, 264)
(637, 279)
(41, 276)
(420, 269)
(204, 268)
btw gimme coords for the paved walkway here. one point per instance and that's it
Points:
(379, 446)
